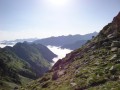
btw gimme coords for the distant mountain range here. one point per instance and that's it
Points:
(22, 63)
(75, 45)
(70, 41)
(12, 42)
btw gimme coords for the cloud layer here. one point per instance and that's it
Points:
(58, 51)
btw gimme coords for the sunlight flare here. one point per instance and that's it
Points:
(59, 2)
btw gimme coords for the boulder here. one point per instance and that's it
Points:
(61, 72)
(92, 57)
(73, 84)
(117, 61)
(111, 68)
(57, 74)
(103, 57)
(106, 44)
(71, 80)
(93, 47)
(96, 63)
(77, 72)
(114, 49)
(115, 44)
(119, 77)
(110, 36)
(113, 57)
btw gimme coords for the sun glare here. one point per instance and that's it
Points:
(59, 2)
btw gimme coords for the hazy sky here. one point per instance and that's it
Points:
(43, 18)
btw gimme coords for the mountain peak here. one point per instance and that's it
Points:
(112, 30)
(116, 20)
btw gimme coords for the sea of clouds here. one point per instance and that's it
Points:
(58, 51)
(3, 45)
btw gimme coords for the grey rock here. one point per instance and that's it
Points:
(94, 47)
(117, 61)
(111, 68)
(106, 44)
(57, 74)
(114, 49)
(110, 36)
(97, 63)
(115, 44)
(71, 80)
(113, 57)
(103, 57)
(61, 72)
(92, 57)
(119, 77)
(77, 72)
(73, 84)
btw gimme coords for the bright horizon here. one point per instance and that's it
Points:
(44, 37)
(21, 19)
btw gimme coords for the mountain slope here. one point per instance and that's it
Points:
(22, 63)
(65, 40)
(95, 66)
(75, 45)
(10, 68)
(34, 54)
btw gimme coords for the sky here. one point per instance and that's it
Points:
(21, 19)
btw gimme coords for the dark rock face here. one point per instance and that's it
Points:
(55, 76)
(116, 21)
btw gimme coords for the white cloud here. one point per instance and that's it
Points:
(59, 51)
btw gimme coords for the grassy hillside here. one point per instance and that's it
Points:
(10, 68)
(95, 66)
(22, 63)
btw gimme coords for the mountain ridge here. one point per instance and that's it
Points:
(22, 63)
(75, 45)
(65, 40)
